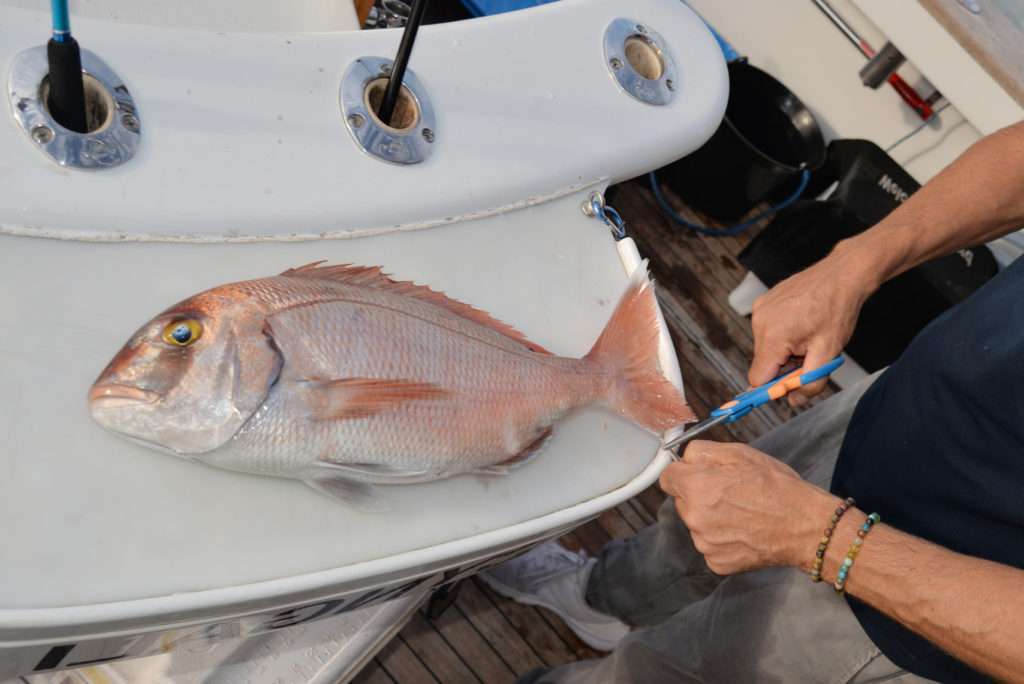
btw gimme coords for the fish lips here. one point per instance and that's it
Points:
(115, 395)
(107, 396)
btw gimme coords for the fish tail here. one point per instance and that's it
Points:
(628, 351)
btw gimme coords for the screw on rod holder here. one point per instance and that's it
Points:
(883, 65)
(115, 122)
(409, 145)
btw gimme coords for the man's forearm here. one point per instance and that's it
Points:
(977, 198)
(972, 608)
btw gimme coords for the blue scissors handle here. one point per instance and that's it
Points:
(776, 389)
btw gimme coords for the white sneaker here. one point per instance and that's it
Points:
(555, 578)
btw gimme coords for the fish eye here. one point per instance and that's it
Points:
(182, 333)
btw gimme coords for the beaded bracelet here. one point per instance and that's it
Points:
(819, 555)
(851, 555)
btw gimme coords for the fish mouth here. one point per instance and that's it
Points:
(113, 395)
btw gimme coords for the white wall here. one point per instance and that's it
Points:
(796, 43)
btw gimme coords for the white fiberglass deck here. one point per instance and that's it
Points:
(91, 518)
(244, 169)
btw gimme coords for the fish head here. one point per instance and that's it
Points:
(188, 379)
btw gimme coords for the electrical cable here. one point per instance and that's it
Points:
(917, 129)
(666, 208)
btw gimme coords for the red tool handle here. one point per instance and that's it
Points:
(910, 96)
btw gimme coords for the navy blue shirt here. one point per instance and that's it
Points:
(936, 447)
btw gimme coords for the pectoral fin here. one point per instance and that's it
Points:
(350, 398)
(361, 496)
(522, 458)
(375, 473)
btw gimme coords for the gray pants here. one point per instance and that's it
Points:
(771, 625)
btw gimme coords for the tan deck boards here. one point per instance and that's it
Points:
(486, 638)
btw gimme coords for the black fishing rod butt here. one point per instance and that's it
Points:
(66, 99)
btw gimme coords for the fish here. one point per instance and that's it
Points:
(346, 379)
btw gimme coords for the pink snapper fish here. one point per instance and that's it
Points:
(346, 379)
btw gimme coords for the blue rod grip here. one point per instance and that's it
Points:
(61, 19)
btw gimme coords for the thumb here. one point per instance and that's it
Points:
(673, 478)
(819, 352)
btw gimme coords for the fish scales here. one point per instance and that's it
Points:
(498, 389)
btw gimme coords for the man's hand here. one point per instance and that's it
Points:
(744, 509)
(811, 315)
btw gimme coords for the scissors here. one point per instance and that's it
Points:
(746, 402)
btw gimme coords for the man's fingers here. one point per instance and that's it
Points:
(675, 476)
(769, 358)
(698, 451)
(672, 477)
(701, 452)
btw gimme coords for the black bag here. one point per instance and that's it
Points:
(870, 185)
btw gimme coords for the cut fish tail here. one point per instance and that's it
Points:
(628, 351)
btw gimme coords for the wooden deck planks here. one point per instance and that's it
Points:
(485, 637)
(496, 628)
(444, 662)
(575, 644)
(615, 525)
(631, 517)
(641, 511)
(592, 537)
(480, 656)
(399, 661)
(373, 674)
(650, 500)
(693, 264)
(549, 645)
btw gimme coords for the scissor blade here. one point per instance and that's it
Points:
(697, 429)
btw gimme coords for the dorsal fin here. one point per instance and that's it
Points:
(373, 276)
